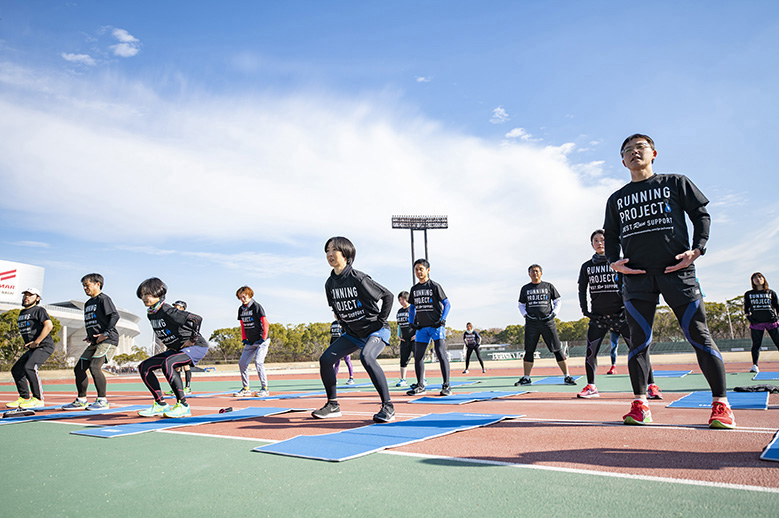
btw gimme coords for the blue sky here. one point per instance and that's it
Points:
(220, 144)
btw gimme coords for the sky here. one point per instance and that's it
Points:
(216, 145)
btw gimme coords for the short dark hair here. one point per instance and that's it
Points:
(93, 277)
(344, 246)
(599, 231)
(244, 289)
(403, 294)
(180, 304)
(153, 286)
(635, 136)
(423, 262)
(535, 266)
(752, 280)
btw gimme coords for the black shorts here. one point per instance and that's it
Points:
(535, 329)
(677, 288)
(614, 322)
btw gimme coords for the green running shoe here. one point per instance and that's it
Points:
(16, 404)
(180, 410)
(33, 402)
(155, 410)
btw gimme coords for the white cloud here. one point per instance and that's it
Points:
(31, 244)
(521, 134)
(499, 115)
(128, 45)
(81, 59)
(423, 79)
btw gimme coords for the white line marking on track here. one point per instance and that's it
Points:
(669, 480)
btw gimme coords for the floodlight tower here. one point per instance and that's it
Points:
(419, 223)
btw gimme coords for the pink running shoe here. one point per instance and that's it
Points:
(588, 392)
(612, 370)
(721, 416)
(653, 392)
(639, 413)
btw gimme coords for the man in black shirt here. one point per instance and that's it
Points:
(539, 303)
(646, 219)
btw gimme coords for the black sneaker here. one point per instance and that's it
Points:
(445, 390)
(569, 380)
(331, 409)
(386, 414)
(524, 380)
(416, 391)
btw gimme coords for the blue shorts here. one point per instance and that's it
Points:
(195, 353)
(425, 334)
(383, 333)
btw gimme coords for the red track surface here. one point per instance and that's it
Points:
(558, 430)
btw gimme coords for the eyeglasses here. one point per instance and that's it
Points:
(641, 146)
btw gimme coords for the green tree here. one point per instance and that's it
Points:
(228, 342)
(138, 354)
(573, 331)
(513, 334)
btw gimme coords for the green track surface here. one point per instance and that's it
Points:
(157, 474)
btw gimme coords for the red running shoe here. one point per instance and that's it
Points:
(612, 370)
(653, 392)
(639, 413)
(588, 392)
(721, 416)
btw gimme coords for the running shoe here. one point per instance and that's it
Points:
(483, 370)
(350, 381)
(16, 404)
(414, 385)
(155, 410)
(187, 391)
(262, 393)
(588, 392)
(465, 371)
(445, 390)
(331, 409)
(401, 383)
(653, 392)
(78, 404)
(168, 392)
(568, 380)
(33, 402)
(524, 380)
(639, 413)
(755, 369)
(386, 414)
(244, 392)
(417, 390)
(721, 416)
(180, 410)
(99, 404)
(612, 370)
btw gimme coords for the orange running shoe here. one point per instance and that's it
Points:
(653, 392)
(639, 413)
(721, 416)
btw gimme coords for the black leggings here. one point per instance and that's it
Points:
(692, 318)
(368, 357)
(25, 372)
(757, 341)
(95, 366)
(468, 357)
(595, 334)
(419, 360)
(167, 361)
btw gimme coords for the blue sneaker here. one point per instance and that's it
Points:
(78, 404)
(401, 383)
(99, 404)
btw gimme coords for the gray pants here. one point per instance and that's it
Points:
(258, 350)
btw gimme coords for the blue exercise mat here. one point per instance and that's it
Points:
(68, 414)
(554, 380)
(460, 399)
(285, 396)
(670, 374)
(766, 376)
(451, 384)
(349, 444)
(8, 409)
(737, 400)
(209, 394)
(355, 385)
(771, 452)
(163, 423)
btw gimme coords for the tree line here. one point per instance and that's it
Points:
(306, 342)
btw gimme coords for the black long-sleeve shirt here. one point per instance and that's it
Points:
(173, 327)
(100, 318)
(646, 219)
(354, 297)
